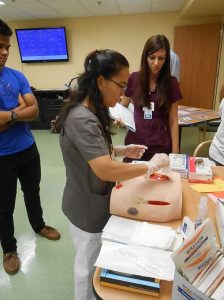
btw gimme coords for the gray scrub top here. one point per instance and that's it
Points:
(86, 198)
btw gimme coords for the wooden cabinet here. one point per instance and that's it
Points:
(50, 103)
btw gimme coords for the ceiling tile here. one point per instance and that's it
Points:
(65, 3)
(12, 2)
(38, 10)
(131, 2)
(10, 14)
(103, 7)
(136, 8)
(169, 5)
(68, 8)
(43, 9)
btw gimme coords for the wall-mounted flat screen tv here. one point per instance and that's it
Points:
(42, 44)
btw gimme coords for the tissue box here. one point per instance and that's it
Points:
(199, 170)
(182, 289)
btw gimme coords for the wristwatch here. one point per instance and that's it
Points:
(14, 116)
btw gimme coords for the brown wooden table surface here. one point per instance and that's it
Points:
(191, 116)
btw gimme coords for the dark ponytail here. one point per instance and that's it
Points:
(99, 62)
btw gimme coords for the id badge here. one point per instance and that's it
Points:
(147, 113)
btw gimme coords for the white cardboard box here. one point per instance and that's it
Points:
(179, 163)
(199, 170)
(183, 290)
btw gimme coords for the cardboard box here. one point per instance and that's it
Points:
(199, 270)
(182, 290)
(199, 170)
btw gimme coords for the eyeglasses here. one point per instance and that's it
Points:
(118, 84)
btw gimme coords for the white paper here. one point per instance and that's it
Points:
(183, 112)
(132, 232)
(154, 236)
(125, 114)
(137, 260)
(120, 229)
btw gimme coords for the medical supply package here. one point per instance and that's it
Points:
(199, 170)
(179, 163)
(199, 266)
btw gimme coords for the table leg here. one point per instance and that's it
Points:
(180, 133)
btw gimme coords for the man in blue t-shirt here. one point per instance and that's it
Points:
(19, 157)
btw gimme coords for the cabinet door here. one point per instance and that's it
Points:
(198, 47)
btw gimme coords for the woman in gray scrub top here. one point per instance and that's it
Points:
(88, 157)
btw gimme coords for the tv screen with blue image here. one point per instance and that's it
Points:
(42, 44)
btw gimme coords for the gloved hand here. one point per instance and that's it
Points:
(118, 122)
(131, 151)
(158, 161)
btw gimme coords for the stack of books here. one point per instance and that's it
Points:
(134, 283)
(179, 164)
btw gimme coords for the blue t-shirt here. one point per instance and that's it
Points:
(17, 137)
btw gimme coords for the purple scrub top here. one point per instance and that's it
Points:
(153, 133)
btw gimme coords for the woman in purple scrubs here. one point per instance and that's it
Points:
(154, 94)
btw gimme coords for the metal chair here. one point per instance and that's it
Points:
(202, 150)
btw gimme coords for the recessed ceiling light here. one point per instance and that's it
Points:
(2, 3)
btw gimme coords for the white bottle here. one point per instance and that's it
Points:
(202, 211)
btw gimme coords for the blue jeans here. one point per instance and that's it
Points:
(25, 166)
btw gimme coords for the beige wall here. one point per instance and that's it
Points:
(126, 34)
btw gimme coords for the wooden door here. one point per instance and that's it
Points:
(198, 48)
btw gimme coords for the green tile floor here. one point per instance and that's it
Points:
(47, 266)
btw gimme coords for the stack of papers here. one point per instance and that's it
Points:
(140, 233)
(136, 260)
(138, 248)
